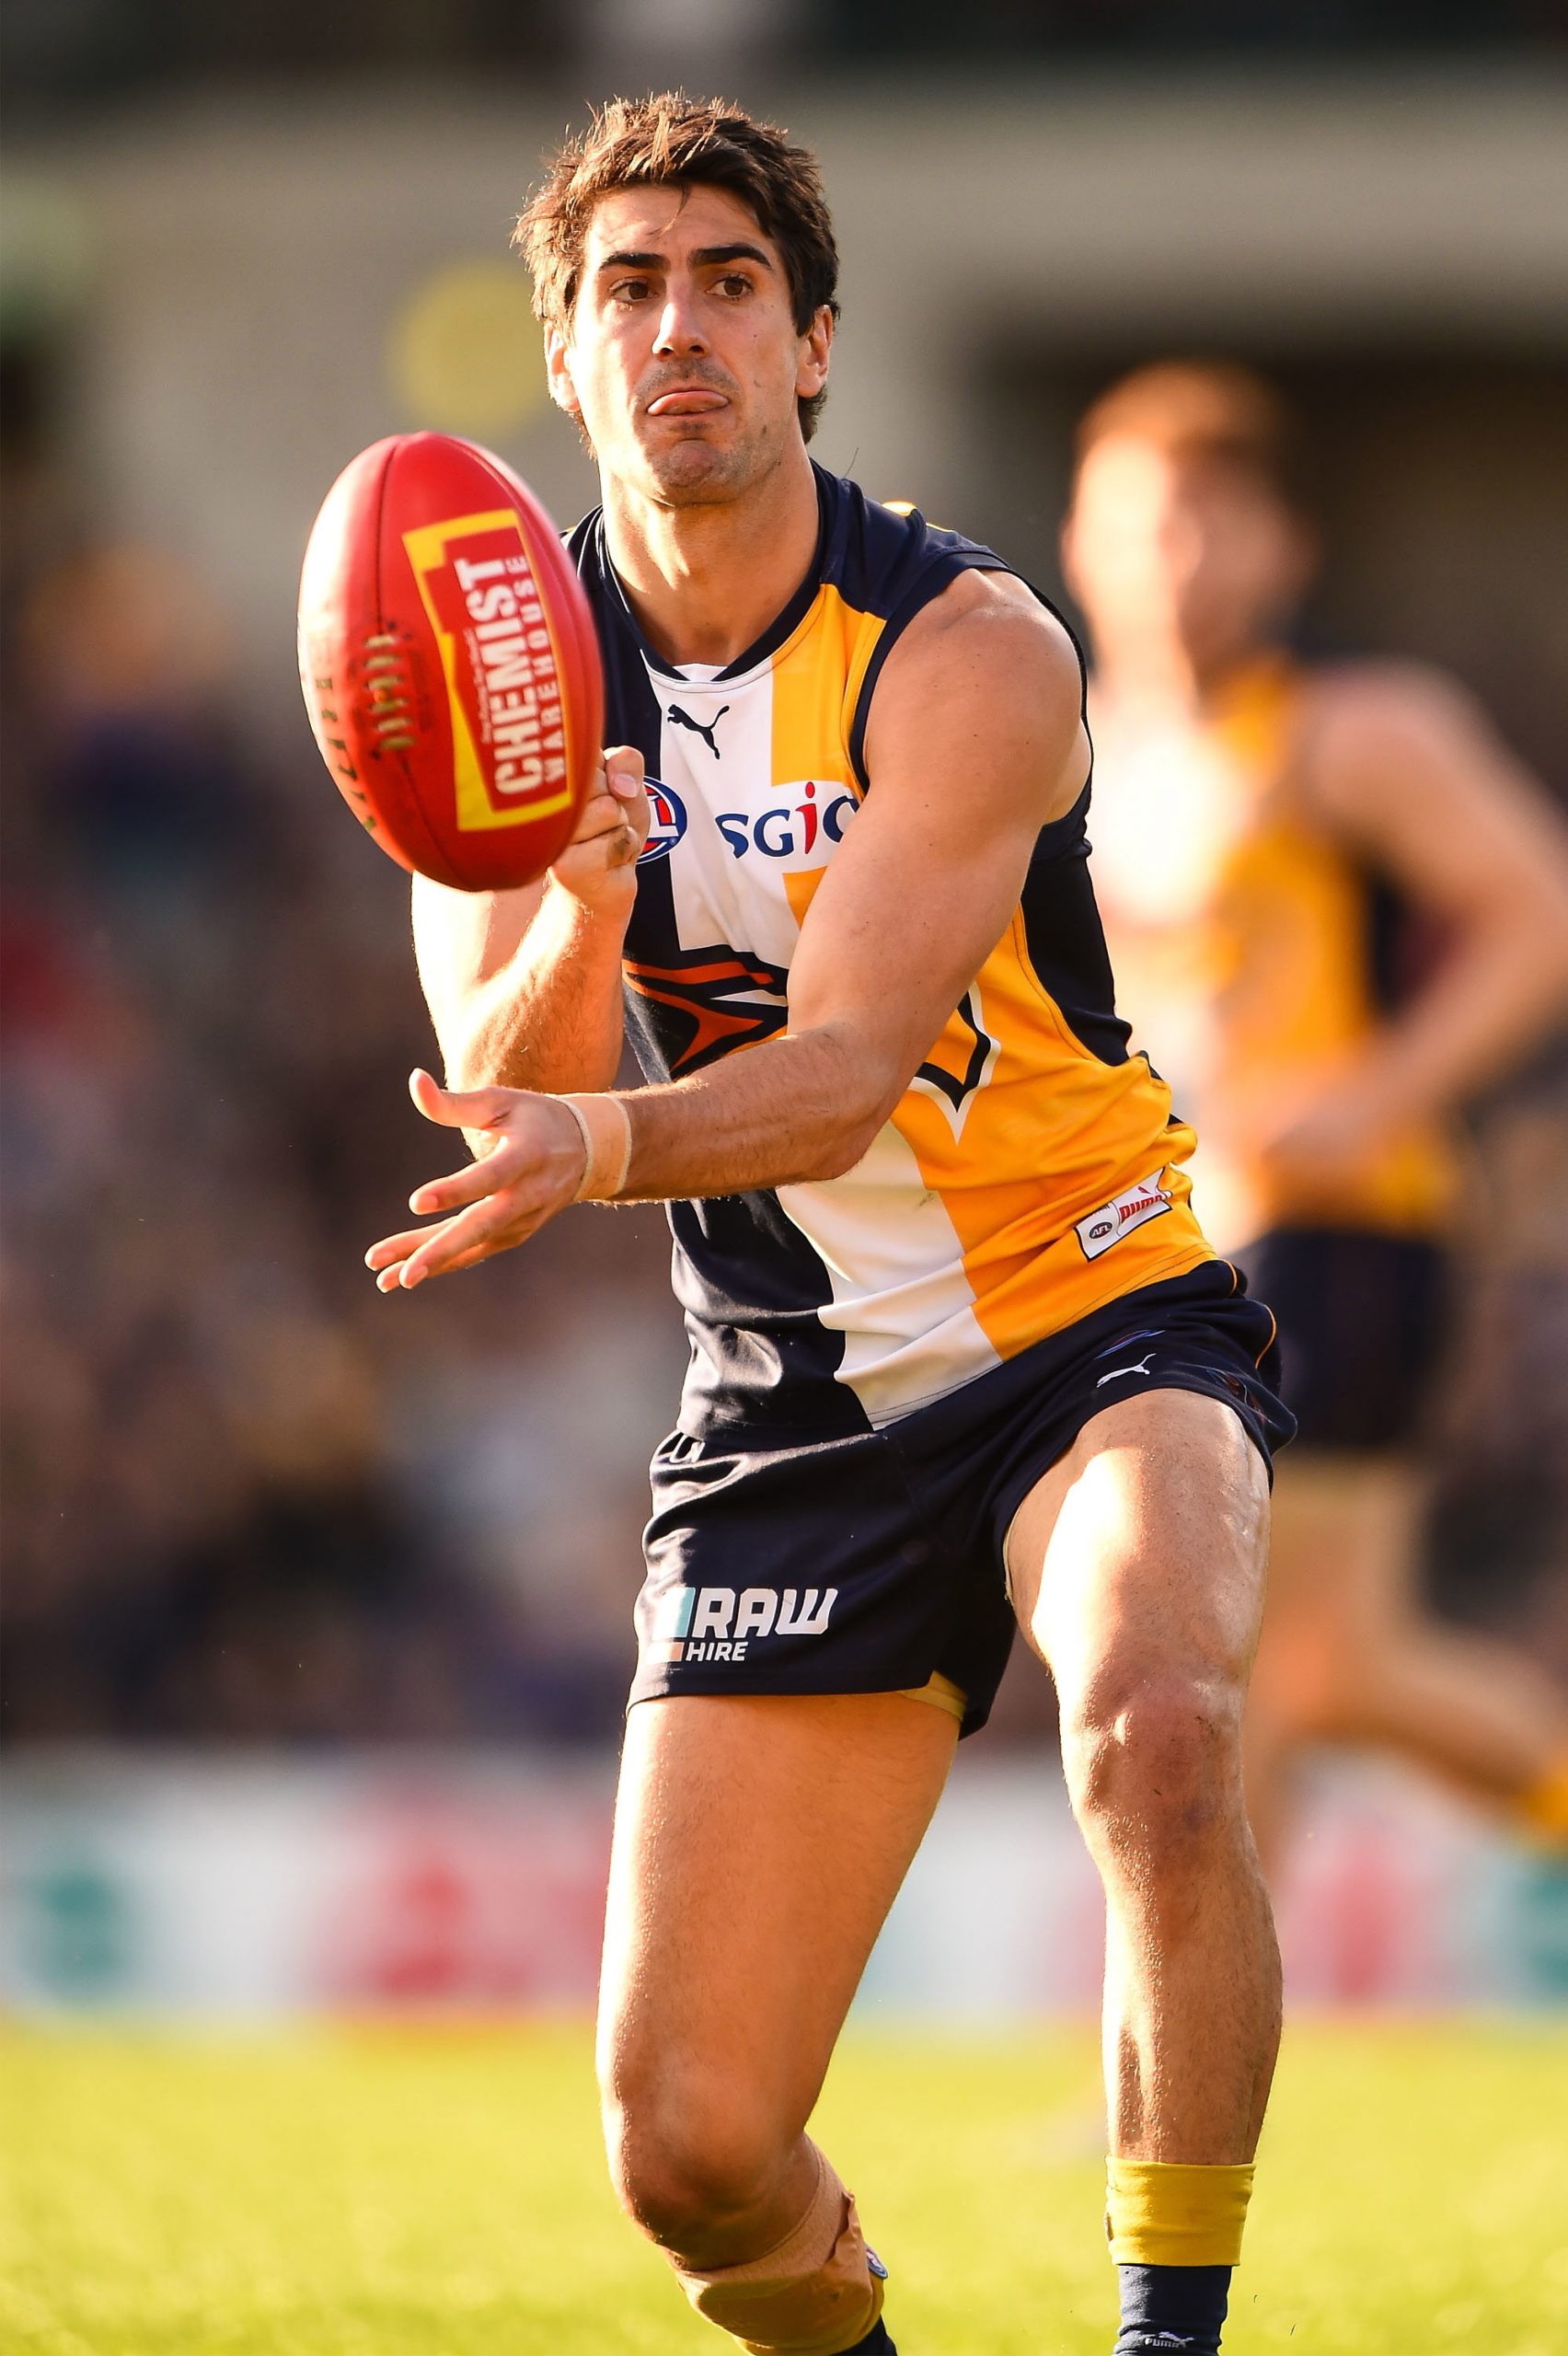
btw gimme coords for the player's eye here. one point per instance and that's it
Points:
(632, 289)
(732, 284)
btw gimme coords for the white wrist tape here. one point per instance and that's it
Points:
(607, 1136)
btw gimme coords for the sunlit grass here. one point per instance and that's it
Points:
(359, 2193)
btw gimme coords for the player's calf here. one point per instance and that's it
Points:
(713, 2198)
(760, 2233)
(816, 2291)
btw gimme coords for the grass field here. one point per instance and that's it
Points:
(362, 2193)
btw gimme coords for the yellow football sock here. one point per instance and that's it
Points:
(1542, 1806)
(1158, 2212)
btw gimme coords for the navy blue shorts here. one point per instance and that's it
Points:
(780, 1563)
(1363, 1319)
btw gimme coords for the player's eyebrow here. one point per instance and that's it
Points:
(705, 257)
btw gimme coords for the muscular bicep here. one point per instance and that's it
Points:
(461, 939)
(975, 743)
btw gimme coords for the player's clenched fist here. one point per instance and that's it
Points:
(599, 866)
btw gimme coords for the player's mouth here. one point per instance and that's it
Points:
(687, 400)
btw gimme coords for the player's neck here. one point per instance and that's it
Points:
(704, 582)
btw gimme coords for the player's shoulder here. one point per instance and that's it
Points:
(989, 678)
(1381, 731)
(992, 627)
(886, 558)
(1357, 699)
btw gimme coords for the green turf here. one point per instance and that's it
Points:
(408, 2194)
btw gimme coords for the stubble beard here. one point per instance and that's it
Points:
(693, 471)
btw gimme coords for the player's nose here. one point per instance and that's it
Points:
(679, 330)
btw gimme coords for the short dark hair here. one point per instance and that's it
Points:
(674, 141)
(1203, 409)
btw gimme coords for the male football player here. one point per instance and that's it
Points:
(961, 1356)
(1258, 820)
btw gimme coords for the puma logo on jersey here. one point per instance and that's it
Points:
(679, 719)
(699, 1624)
(1139, 1365)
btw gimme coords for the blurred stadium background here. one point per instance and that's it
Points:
(316, 1606)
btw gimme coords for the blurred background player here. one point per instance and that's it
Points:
(1262, 823)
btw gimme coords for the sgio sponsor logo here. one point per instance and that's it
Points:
(695, 1623)
(816, 820)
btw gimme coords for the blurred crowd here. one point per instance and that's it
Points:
(244, 1495)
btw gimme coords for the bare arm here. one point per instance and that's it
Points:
(524, 988)
(974, 744)
(1401, 764)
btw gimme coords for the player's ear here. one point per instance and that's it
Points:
(557, 370)
(816, 347)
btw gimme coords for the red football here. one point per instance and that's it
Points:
(449, 662)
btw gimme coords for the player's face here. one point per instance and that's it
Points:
(1189, 549)
(682, 360)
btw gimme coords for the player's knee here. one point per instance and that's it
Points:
(688, 2157)
(1153, 1762)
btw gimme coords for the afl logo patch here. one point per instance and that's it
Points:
(666, 823)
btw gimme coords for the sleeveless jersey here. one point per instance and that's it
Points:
(1032, 1170)
(1251, 956)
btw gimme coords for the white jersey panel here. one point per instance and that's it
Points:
(900, 1295)
(716, 753)
(894, 1259)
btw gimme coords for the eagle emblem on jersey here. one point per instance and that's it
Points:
(706, 1001)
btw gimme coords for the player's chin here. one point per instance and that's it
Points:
(695, 466)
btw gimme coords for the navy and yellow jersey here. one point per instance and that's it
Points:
(1032, 1170)
(1251, 954)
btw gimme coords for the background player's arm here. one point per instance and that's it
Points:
(524, 988)
(1403, 765)
(975, 741)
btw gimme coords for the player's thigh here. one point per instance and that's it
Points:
(1140, 1554)
(759, 1842)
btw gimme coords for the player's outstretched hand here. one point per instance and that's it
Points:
(529, 1165)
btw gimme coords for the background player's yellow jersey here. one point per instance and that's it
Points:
(1032, 1170)
(1250, 954)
